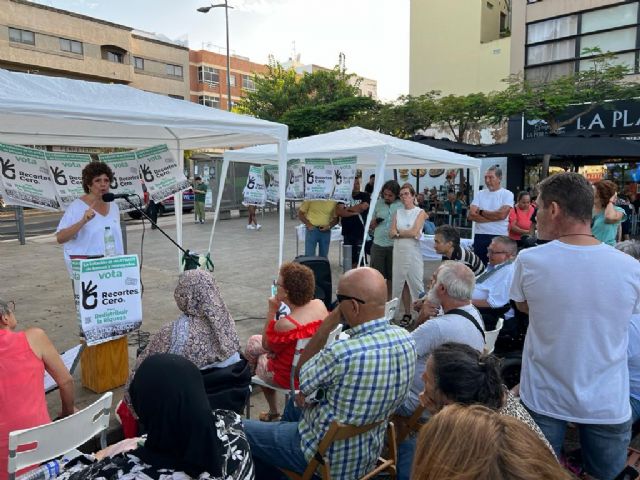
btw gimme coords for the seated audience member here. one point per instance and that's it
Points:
(25, 357)
(363, 379)
(461, 322)
(632, 247)
(447, 243)
(271, 354)
(185, 439)
(476, 443)
(204, 334)
(457, 373)
(452, 205)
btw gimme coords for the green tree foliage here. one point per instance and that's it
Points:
(461, 113)
(403, 118)
(311, 103)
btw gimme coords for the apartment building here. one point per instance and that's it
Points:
(49, 41)
(208, 77)
(458, 47)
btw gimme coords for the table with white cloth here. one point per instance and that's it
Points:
(427, 247)
(336, 236)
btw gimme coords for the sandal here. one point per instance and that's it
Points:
(269, 417)
(406, 321)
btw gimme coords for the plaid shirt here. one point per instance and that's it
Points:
(365, 379)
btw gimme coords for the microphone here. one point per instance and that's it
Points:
(110, 197)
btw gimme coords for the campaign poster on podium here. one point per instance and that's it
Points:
(318, 184)
(66, 170)
(254, 192)
(108, 297)
(345, 175)
(126, 178)
(161, 172)
(25, 178)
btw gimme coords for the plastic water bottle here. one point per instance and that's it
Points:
(109, 243)
(45, 471)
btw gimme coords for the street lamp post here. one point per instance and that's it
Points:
(226, 7)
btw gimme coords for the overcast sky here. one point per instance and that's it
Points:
(373, 34)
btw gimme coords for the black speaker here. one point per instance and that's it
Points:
(322, 273)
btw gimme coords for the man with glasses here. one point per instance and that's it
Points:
(364, 379)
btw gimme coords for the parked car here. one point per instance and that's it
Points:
(167, 205)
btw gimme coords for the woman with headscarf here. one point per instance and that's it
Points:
(205, 334)
(185, 439)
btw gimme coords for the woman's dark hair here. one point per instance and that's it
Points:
(605, 189)
(449, 234)
(467, 376)
(93, 170)
(392, 186)
(299, 282)
(522, 194)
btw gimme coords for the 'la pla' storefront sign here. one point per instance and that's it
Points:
(108, 297)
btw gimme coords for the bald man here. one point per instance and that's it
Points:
(362, 379)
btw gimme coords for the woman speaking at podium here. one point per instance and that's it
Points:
(83, 227)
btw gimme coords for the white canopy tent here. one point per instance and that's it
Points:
(39, 110)
(372, 149)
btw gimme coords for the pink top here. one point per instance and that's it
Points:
(22, 400)
(521, 218)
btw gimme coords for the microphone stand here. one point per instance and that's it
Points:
(186, 252)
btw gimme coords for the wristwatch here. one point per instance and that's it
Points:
(480, 212)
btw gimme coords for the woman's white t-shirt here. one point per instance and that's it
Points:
(90, 238)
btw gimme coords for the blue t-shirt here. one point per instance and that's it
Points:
(606, 232)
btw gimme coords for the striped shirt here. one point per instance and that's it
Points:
(467, 257)
(365, 378)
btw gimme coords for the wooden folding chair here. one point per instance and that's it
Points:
(337, 432)
(57, 438)
(407, 425)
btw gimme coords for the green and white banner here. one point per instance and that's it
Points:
(318, 184)
(108, 298)
(273, 184)
(254, 192)
(295, 180)
(344, 170)
(126, 178)
(66, 171)
(161, 172)
(25, 179)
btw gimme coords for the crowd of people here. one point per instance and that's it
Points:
(437, 380)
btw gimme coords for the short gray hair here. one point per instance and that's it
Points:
(496, 170)
(510, 245)
(630, 247)
(457, 278)
(4, 307)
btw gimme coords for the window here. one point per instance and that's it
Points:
(626, 14)
(248, 83)
(550, 52)
(177, 97)
(627, 59)
(232, 80)
(208, 75)
(138, 63)
(115, 57)
(72, 46)
(552, 29)
(613, 41)
(209, 101)
(174, 70)
(549, 72)
(22, 36)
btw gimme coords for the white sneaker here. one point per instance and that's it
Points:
(258, 226)
(251, 227)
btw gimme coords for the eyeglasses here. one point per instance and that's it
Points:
(496, 252)
(341, 298)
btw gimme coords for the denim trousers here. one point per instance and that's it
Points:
(318, 237)
(604, 447)
(273, 445)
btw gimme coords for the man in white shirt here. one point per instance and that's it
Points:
(580, 295)
(490, 210)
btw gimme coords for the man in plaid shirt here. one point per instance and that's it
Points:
(364, 379)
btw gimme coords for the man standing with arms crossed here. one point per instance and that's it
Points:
(319, 216)
(580, 295)
(490, 210)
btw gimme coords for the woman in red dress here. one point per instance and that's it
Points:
(271, 354)
(25, 356)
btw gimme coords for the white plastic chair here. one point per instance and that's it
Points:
(300, 346)
(57, 438)
(390, 309)
(491, 336)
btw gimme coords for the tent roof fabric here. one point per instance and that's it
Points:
(40, 110)
(369, 146)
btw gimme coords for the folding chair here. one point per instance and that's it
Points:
(337, 432)
(491, 336)
(300, 345)
(55, 439)
(407, 426)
